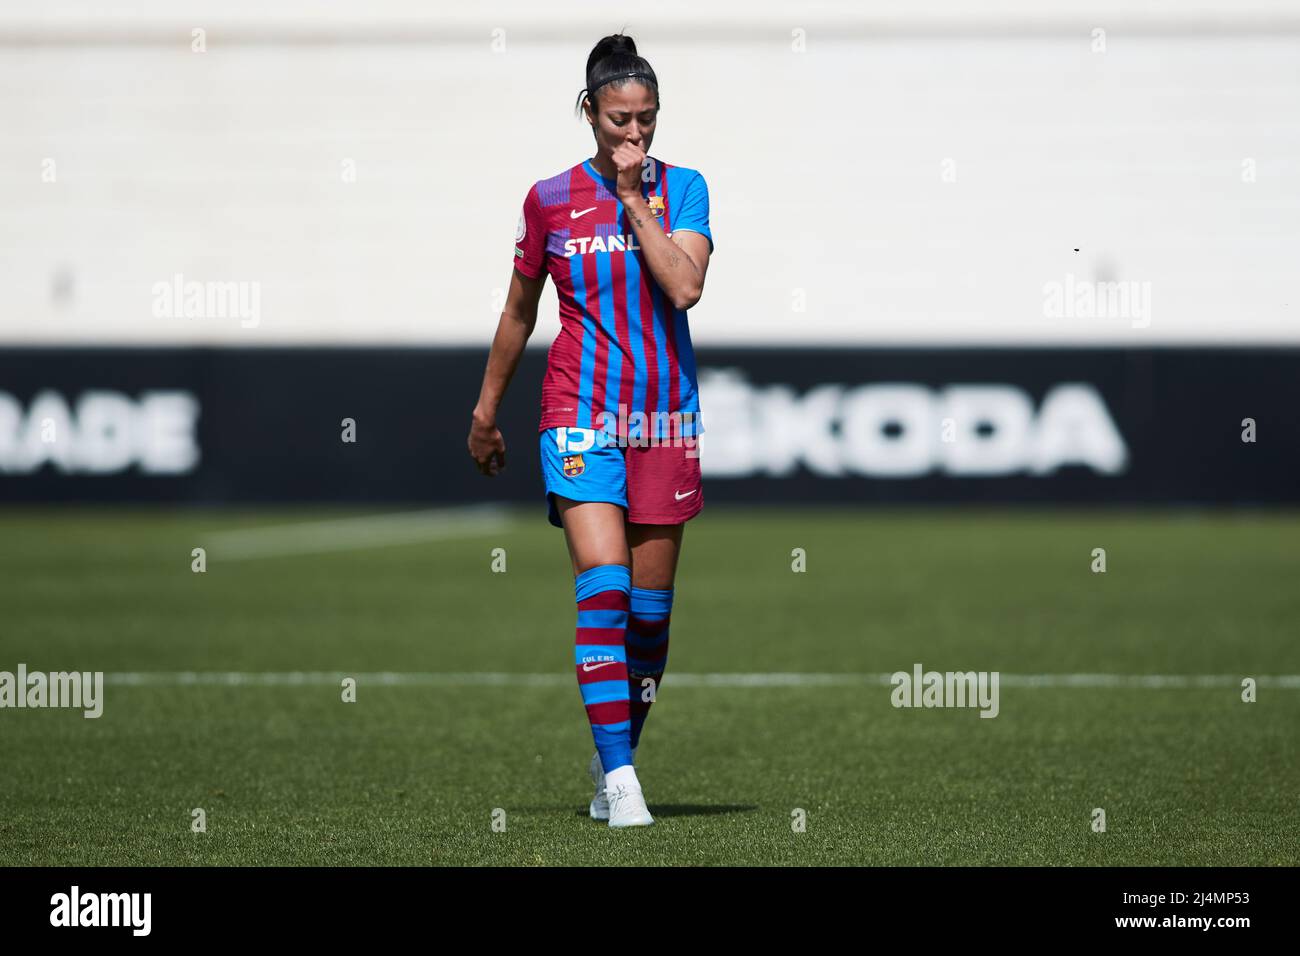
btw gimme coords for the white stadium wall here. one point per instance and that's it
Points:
(914, 174)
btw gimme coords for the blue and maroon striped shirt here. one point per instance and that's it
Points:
(621, 342)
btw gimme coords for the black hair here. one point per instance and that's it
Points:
(611, 61)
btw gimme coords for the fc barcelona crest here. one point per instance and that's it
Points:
(657, 206)
(573, 466)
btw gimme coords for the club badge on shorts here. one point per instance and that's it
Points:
(573, 466)
(656, 206)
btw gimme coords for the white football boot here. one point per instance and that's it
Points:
(599, 808)
(627, 807)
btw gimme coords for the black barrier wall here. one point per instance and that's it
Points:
(1123, 426)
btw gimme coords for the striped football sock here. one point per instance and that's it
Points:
(647, 651)
(601, 661)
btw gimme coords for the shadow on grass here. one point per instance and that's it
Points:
(693, 809)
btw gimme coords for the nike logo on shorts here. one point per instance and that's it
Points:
(679, 496)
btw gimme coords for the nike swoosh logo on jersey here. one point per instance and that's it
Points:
(575, 213)
(592, 667)
(679, 496)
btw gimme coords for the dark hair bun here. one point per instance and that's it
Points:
(617, 43)
(621, 43)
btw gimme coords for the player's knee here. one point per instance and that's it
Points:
(587, 562)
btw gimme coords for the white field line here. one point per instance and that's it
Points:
(490, 679)
(349, 534)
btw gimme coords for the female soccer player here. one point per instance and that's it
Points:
(626, 239)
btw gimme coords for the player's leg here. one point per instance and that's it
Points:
(655, 549)
(663, 492)
(587, 490)
(595, 533)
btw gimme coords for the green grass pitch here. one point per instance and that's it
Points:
(412, 773)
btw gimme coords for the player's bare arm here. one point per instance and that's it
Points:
(679, 263)
(518, 319)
